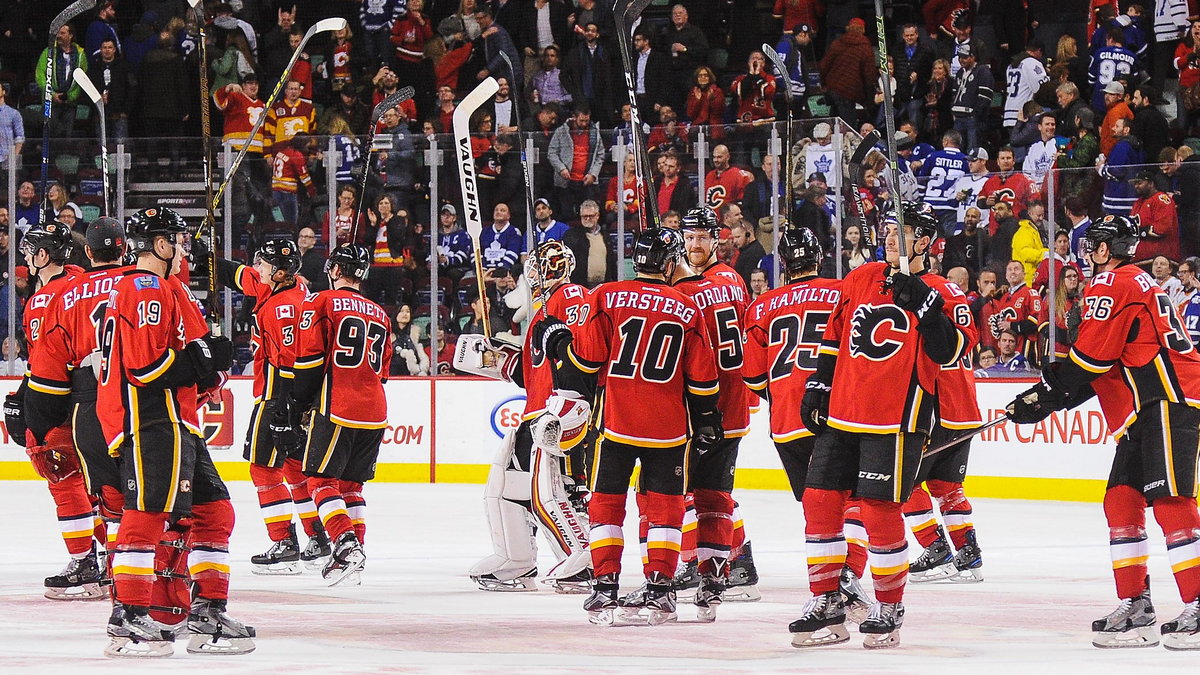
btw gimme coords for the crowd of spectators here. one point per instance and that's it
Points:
(1002, 135)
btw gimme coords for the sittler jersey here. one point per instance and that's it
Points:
(148, 321)
(721, 294)
(273, 335)
(957, 404)
(650, 340)
(567, 302)
(882, 380)
(343, 357)
(784, 327)
(1132, 337)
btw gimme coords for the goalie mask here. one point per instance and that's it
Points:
(551, 263)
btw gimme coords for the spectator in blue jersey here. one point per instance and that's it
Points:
(1118, 168)
(454, 245)
(546, 228)
(376, 18)
(1008, 359)
(347, 148)
(1078, 221)
(1133, 37)
(1111, 61)
(1189, 309)
(502, 244)
(943, 169)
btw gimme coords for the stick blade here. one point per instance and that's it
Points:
(391, 102)
(70, 12)
(331, 24)
(636, 7)
(85, 83)
(865, 147)
(482, 93)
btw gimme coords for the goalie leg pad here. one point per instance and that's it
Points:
(563, 526)
(508, 491)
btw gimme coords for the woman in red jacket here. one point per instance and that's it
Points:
(706, 104)
(1187, 62)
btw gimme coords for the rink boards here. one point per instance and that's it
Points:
(447, 431)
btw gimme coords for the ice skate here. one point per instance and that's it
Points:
(315, 554)
(882, 626)
(629, 606)
(1183, 632)
(742, 584)
(79, 580)
(659, 604)
(821, 623)
(857, 602)
(215, 632)
(602, 604)
(687, 580)
(935, 562)
(347, 561)
(133, 634)
(500, 574)
(282, 558)
(968, 561)
(576, 584)
(1131, 624)
(709, 596)
(572, 575)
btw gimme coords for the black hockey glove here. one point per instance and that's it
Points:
(14, 417)
(707, 432)
(210, 355)
(553, 336)
(286, 436)
(1035, 404)
(912, 294)
(814, 407)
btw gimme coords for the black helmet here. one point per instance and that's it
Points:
(281, 252)
(353, 260)
(1122, 233)
(52, 237)
(143, 226)
(104, 233)
(654, 248)
(799, 249)
(920, 217)
(701, 218)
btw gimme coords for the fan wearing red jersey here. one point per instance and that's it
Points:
(1134, 354)
(1020, 308)
(890, 332)
(651, 342)
(342, 360)
(275, 467)
(46, 248)
(528, 475)
(156, 352)
(62, 375)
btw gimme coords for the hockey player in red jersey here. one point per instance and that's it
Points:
(1134, 354)
(342, 360)
(275, 470)
(156, 353)
(890, 331)
(651, 342)
(528, 476)
(46, 248)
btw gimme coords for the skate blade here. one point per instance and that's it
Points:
(126, 648)
(882, 640)
(706, 614)
(519, 585)
(686, 594)
(201, 643)
(968, 576)
(742, 594)
(657, 617)
(1136, 638)
(84, 592)
(830, 635)
(352, 568)
(277, 569)
(857, 611)
(604, 617)
(938, 573)
(1180, 642)
(316, 564)
(570, 587)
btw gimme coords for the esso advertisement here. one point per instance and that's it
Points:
(506, 416)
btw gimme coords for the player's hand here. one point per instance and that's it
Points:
(285, 434)
(814, 407)
(211, 354)
(912, 294)
(1035, 404)
(707, 432)
(14, 417)
(552, 335)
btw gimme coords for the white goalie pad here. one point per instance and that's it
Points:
(480, 355)
(514, 551)
(563, 425)
(564, 527)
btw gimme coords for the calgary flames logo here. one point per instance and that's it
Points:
(877, 332)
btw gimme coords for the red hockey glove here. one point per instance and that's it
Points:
(55, 459)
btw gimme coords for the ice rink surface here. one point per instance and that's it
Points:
(1046, 564)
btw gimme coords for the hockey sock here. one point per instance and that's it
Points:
(208, 561)
(133, 563)
(1180, 523)
(664, 514)
(75, 517)
(293, 472)
(330, 505)
(274, 500)
(739, 533)
(1125, 509)
(856, 538)
(714, 525)
(918, 514)
(956, 510)
(888, 553)
(687, 547)
(643, 524)
(112, 503)
(606, 512)
(824, 542)
(172, 595)
(356, 508)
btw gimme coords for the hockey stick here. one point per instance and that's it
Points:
(85, 83)
(781, 68)
(622, 11)
(889, 114)
(971, 433)
(482, 93)
(210, 222)
(322, 26)
(857, 160)
(384, 106)
(64, 17)
(527, 170)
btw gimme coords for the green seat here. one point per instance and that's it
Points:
(68, 164)
(90, 212)
(83, 112)
(818, 107)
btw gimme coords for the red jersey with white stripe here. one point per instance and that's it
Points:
(721, 187)
(958, 406)
(274, 333)
(721, 294)
(33, 321)
(1020, 303)
(784, 327)
(651, 343)
(569, 303)
(71, 329)
(241, 114)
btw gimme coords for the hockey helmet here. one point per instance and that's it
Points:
(53, 237)
(281, 252)
(654, 248)
(353, 260)
(1121, 233)
(551, 261)
(701, 218)
(144, 226)
(920, 217)
(104, 233)
(799, 249)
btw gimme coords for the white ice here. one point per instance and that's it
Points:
(1046, 563)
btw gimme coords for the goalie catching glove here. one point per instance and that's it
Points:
(53, 459)
(563, 424)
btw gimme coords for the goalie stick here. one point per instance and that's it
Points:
(622, 11)
(64, 17)
(85, 83)
(482, 93)
(970, 433)
(527, 170)
(781, 68)
(889, 120)
(385, 105)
